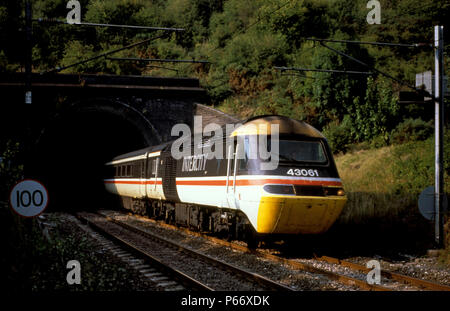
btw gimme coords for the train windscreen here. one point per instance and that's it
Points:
(301, 151)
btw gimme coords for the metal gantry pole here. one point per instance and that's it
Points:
(439, 133)
(28, 52)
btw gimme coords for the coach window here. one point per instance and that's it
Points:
(249, 152)
(154, 161)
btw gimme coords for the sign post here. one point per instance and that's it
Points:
(439, 133)
(29, 46)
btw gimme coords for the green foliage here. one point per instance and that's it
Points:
(11, 170)
(339, 135)
(378, 113)
(412, 130)
(308, 18)
(334, 95)
(253, 53)
(413, 165)
(48, 271)
(385, 183)
(193, 16)
(244, 40)
(236, 15)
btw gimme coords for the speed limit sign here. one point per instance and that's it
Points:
(29, 198)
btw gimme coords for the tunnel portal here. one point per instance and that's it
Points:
(75, 145)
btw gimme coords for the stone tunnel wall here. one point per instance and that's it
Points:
(211, 115)
(163, 114)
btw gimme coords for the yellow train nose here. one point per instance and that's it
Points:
(298, 215)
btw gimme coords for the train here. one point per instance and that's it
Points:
(234, 194)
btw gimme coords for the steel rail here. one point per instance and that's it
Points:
(391, 275)
(177, 274)
(266, 282)
(288, 262)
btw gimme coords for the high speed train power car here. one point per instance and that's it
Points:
(301, 194)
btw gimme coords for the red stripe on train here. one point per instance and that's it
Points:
(240, 182)
(257, 182)
(132, 182)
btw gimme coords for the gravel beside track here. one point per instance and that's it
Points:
(109, 254)
(212, 275)
(420, 268)
(295, 279)
(336, 268)
(425, 268)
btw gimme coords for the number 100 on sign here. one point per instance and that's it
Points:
(29, 198)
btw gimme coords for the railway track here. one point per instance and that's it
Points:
(423, 284)
(391, 277)
(193, 269)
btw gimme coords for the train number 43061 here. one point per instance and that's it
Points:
(302, 172)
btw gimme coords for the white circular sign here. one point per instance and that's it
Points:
(28, 198)
(426, 203)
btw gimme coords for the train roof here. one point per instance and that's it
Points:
(138, 153)
(259, 125)
(262, 126)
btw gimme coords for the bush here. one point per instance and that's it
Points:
(377, 115)
(11, 170)
(339, 135)
(411, 130)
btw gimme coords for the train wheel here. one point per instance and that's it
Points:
(251, 237)
(252, 243)
(167, 217)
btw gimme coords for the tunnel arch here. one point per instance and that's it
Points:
(121, 109)
(74, 144)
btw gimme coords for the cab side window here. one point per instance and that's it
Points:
(243, 163)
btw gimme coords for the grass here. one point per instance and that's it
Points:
(370, 183)
(387, 182)
(383, 186)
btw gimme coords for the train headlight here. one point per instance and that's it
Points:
(333, 191)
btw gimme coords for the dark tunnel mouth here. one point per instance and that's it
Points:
(71, 153)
